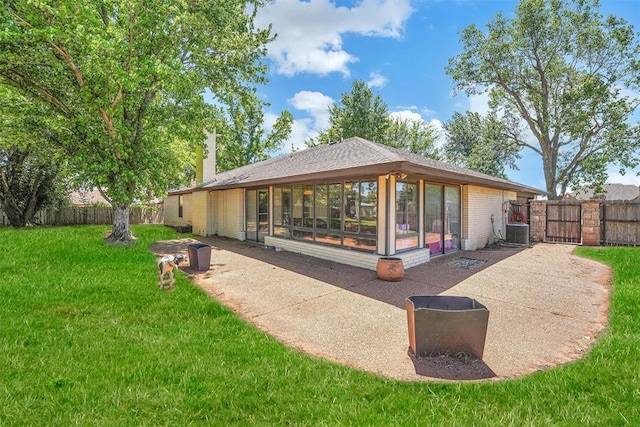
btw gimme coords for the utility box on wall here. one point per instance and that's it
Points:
(518, 233)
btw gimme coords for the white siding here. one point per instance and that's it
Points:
(171, 211)
(478, 206)
(228, 213)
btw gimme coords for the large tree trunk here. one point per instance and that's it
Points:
(15, 216)
(26, 184)
(120, 233)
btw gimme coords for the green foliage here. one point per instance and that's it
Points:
(365, 115)
(32, 167)
(243, 139)
(129, 78)
(87, 339)
(564, 71)
(28, 183)
(360, 113)
(480, 143)
(414, 136)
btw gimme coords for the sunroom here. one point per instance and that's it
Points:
(351, 202)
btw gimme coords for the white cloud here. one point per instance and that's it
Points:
(406, 115)
(316, 104)
(410, 107)
(309, 33)
(301, 130)
(269, 121)
(442, 135)
(629, 178)
(479, 103)
(434, 123)
(429, 112)
(377, 80)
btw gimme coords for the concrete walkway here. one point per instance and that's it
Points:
(546, 305)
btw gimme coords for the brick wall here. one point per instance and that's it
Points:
(591, 223)
(480, 205)
(538, 220)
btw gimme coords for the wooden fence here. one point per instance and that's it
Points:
(593, 222)
(152, 214)
(620, 223)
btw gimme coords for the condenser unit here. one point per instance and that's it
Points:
(518, 233)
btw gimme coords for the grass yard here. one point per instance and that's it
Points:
(86, 338)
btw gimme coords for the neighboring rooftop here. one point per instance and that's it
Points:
(87, 197)
(610, 192)
(347, 159)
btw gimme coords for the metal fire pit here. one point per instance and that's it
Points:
(446, 325)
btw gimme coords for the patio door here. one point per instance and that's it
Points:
(442, 218)
(257, 214)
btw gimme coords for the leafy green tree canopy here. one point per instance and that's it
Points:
(32, 167)
(565, 72)
(129, 77)
(364, 114)
(244, 139)
(359, 113)
(480, 143)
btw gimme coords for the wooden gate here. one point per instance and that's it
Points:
(564, 220)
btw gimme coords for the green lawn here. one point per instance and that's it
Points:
(86, 338)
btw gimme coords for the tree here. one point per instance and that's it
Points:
(31, 168)
(480, 143)
(243, 138)
(562, 70)
(365, 115)
(129, 77)
(414, 136)
(360, 113)
(28, 182)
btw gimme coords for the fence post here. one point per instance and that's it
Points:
(538, 220)
(591, 223)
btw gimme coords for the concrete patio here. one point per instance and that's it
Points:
(546, 305)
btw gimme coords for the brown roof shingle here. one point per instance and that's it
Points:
(351, 158)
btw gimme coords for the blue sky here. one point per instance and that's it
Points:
(399, 47)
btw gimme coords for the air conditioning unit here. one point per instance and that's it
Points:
(518, 233)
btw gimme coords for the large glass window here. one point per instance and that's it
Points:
(298, 203)
(322, 221)
(341, 214)
(406, 215)
(360, 214)
(307, 206)
(369, 207)
(335, 209)
(282, 211)
(352, 207)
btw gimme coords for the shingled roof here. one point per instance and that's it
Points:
(351, 159)
(611, 192)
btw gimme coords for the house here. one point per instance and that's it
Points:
(351, 202)
(609, 192)
(88, 198)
